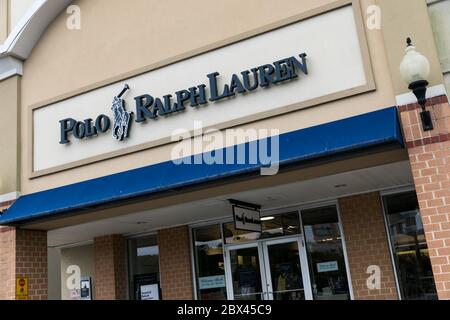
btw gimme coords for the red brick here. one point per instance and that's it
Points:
(442, 234)
(19, 250)
(438, 218)
(434, 203)
(432, 160)
(367, 244)
(435, 244)
(175, 263)
(444, 251)
(444, 210)
(438, 261)
(110, 269)
(442, 277)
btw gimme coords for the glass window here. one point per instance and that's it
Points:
(210, 270)
(143, 264)
(272, 226)
(409, 247)
(325, 254)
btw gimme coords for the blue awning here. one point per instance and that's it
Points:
(352, 134)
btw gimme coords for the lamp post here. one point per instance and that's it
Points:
(415, 70)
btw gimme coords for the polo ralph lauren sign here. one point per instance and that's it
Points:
(148, 107)
(254, 76)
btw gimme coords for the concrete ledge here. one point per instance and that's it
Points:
(10, 67)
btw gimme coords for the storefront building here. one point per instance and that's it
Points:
(223, 150)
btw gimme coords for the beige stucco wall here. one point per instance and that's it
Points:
(149, 31)
(402, 19)
(3, 20)
(9, 138)
(82, 256)
(54, 273)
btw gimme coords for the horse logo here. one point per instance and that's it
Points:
(121, 116)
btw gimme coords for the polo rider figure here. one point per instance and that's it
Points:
(121, 116)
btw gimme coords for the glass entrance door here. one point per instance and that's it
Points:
(268, 270)
(244, 270)
(283, 266)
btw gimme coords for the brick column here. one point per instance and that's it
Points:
(367, 244)
(175, 264)
(7, 263)
(429, 154)
(110, 269)
(23, 253)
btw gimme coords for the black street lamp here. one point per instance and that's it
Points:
(415, 70)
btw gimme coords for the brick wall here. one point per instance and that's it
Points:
(429, 154)
(7, 263)
(175, 264)
(31, 261)
(367, 244)
(110, 268)
(23, 253)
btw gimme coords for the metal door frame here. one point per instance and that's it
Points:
(264, 265)
(303, 265)
(229, 281)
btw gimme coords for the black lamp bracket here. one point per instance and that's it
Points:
(419, 88)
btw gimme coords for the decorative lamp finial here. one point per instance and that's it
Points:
(409, 42)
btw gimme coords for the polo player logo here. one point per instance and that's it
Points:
(122, 117)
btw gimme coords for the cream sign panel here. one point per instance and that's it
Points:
(298, 65)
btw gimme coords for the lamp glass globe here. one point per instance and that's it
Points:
(415, 66)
